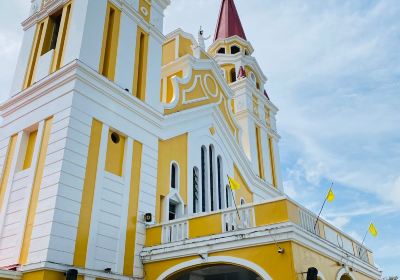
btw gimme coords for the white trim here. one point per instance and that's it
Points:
(213, 260)
(321, 275)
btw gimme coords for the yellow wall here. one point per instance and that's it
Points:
(85, 215)
(228, 68)
(133, 209)
(7, 167)
(205, 226)
(203, 98)
(115, 154)
(244, 191)
(305, 258)
(30, 220)
(174, 149)
(185, 46)
(278, 266)
(43, 275)
(109, 48)
(30, 148)
(168, 54)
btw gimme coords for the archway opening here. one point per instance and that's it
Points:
(216, 272)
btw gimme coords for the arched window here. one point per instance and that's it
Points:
(220, 181)
(212, 187)
(233, 75)
(203, 178)
(195, 190)
(174, 176)
(221, 50)
(242, 201)
(235, 49)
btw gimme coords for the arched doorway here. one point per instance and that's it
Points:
(198, 263)
(216, 272)
(346, 277)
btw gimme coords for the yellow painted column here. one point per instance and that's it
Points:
(133, 209)
(272, 160)
(89, 185)
(7, 167)
(260, 154)
(30, 220)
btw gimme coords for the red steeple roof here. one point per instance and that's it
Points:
(229, 23)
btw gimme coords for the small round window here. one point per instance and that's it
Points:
(115, 138)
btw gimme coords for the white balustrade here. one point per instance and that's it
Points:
(308, 220)
(175, 231)
(231, 221)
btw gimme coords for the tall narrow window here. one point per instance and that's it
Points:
(51, 35)
(220, 182)
(211, 155)
(228, 196)
(203, 178)
(174, 176)
(110, 42)
(272, 160)
(139, 81)
(172, 211)
(260, 154)
(195, 189)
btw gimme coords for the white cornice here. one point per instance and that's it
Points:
(272, 234)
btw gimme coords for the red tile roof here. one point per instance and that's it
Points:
(229, 23)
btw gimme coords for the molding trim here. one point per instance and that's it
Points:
(213, 260)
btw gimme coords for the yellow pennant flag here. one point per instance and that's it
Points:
(234, 185)
(330, 196)
(372, 230)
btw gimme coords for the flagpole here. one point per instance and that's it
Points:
(322, 208)
(362, 243)
(233, 198)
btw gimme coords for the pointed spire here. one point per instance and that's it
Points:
(229, 23)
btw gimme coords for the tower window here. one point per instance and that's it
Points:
(172, 211)
(115, 138)
(53, 28)
(221, 50)
(233, 75)
(139, 83)
(174, 176)
(227, 196)
(235, 49)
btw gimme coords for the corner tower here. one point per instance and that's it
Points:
(252, 107)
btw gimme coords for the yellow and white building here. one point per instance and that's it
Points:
(109, 120)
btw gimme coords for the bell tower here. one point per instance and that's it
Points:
(251, 104)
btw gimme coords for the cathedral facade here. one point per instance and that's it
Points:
(117, 147)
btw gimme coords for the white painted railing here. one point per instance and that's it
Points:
(231, 221)
(175, 231)
(361, 252)
(308, 220)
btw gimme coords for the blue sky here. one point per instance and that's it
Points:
(334, 72)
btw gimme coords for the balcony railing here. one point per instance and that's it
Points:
(252, 216)
(236, 220)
